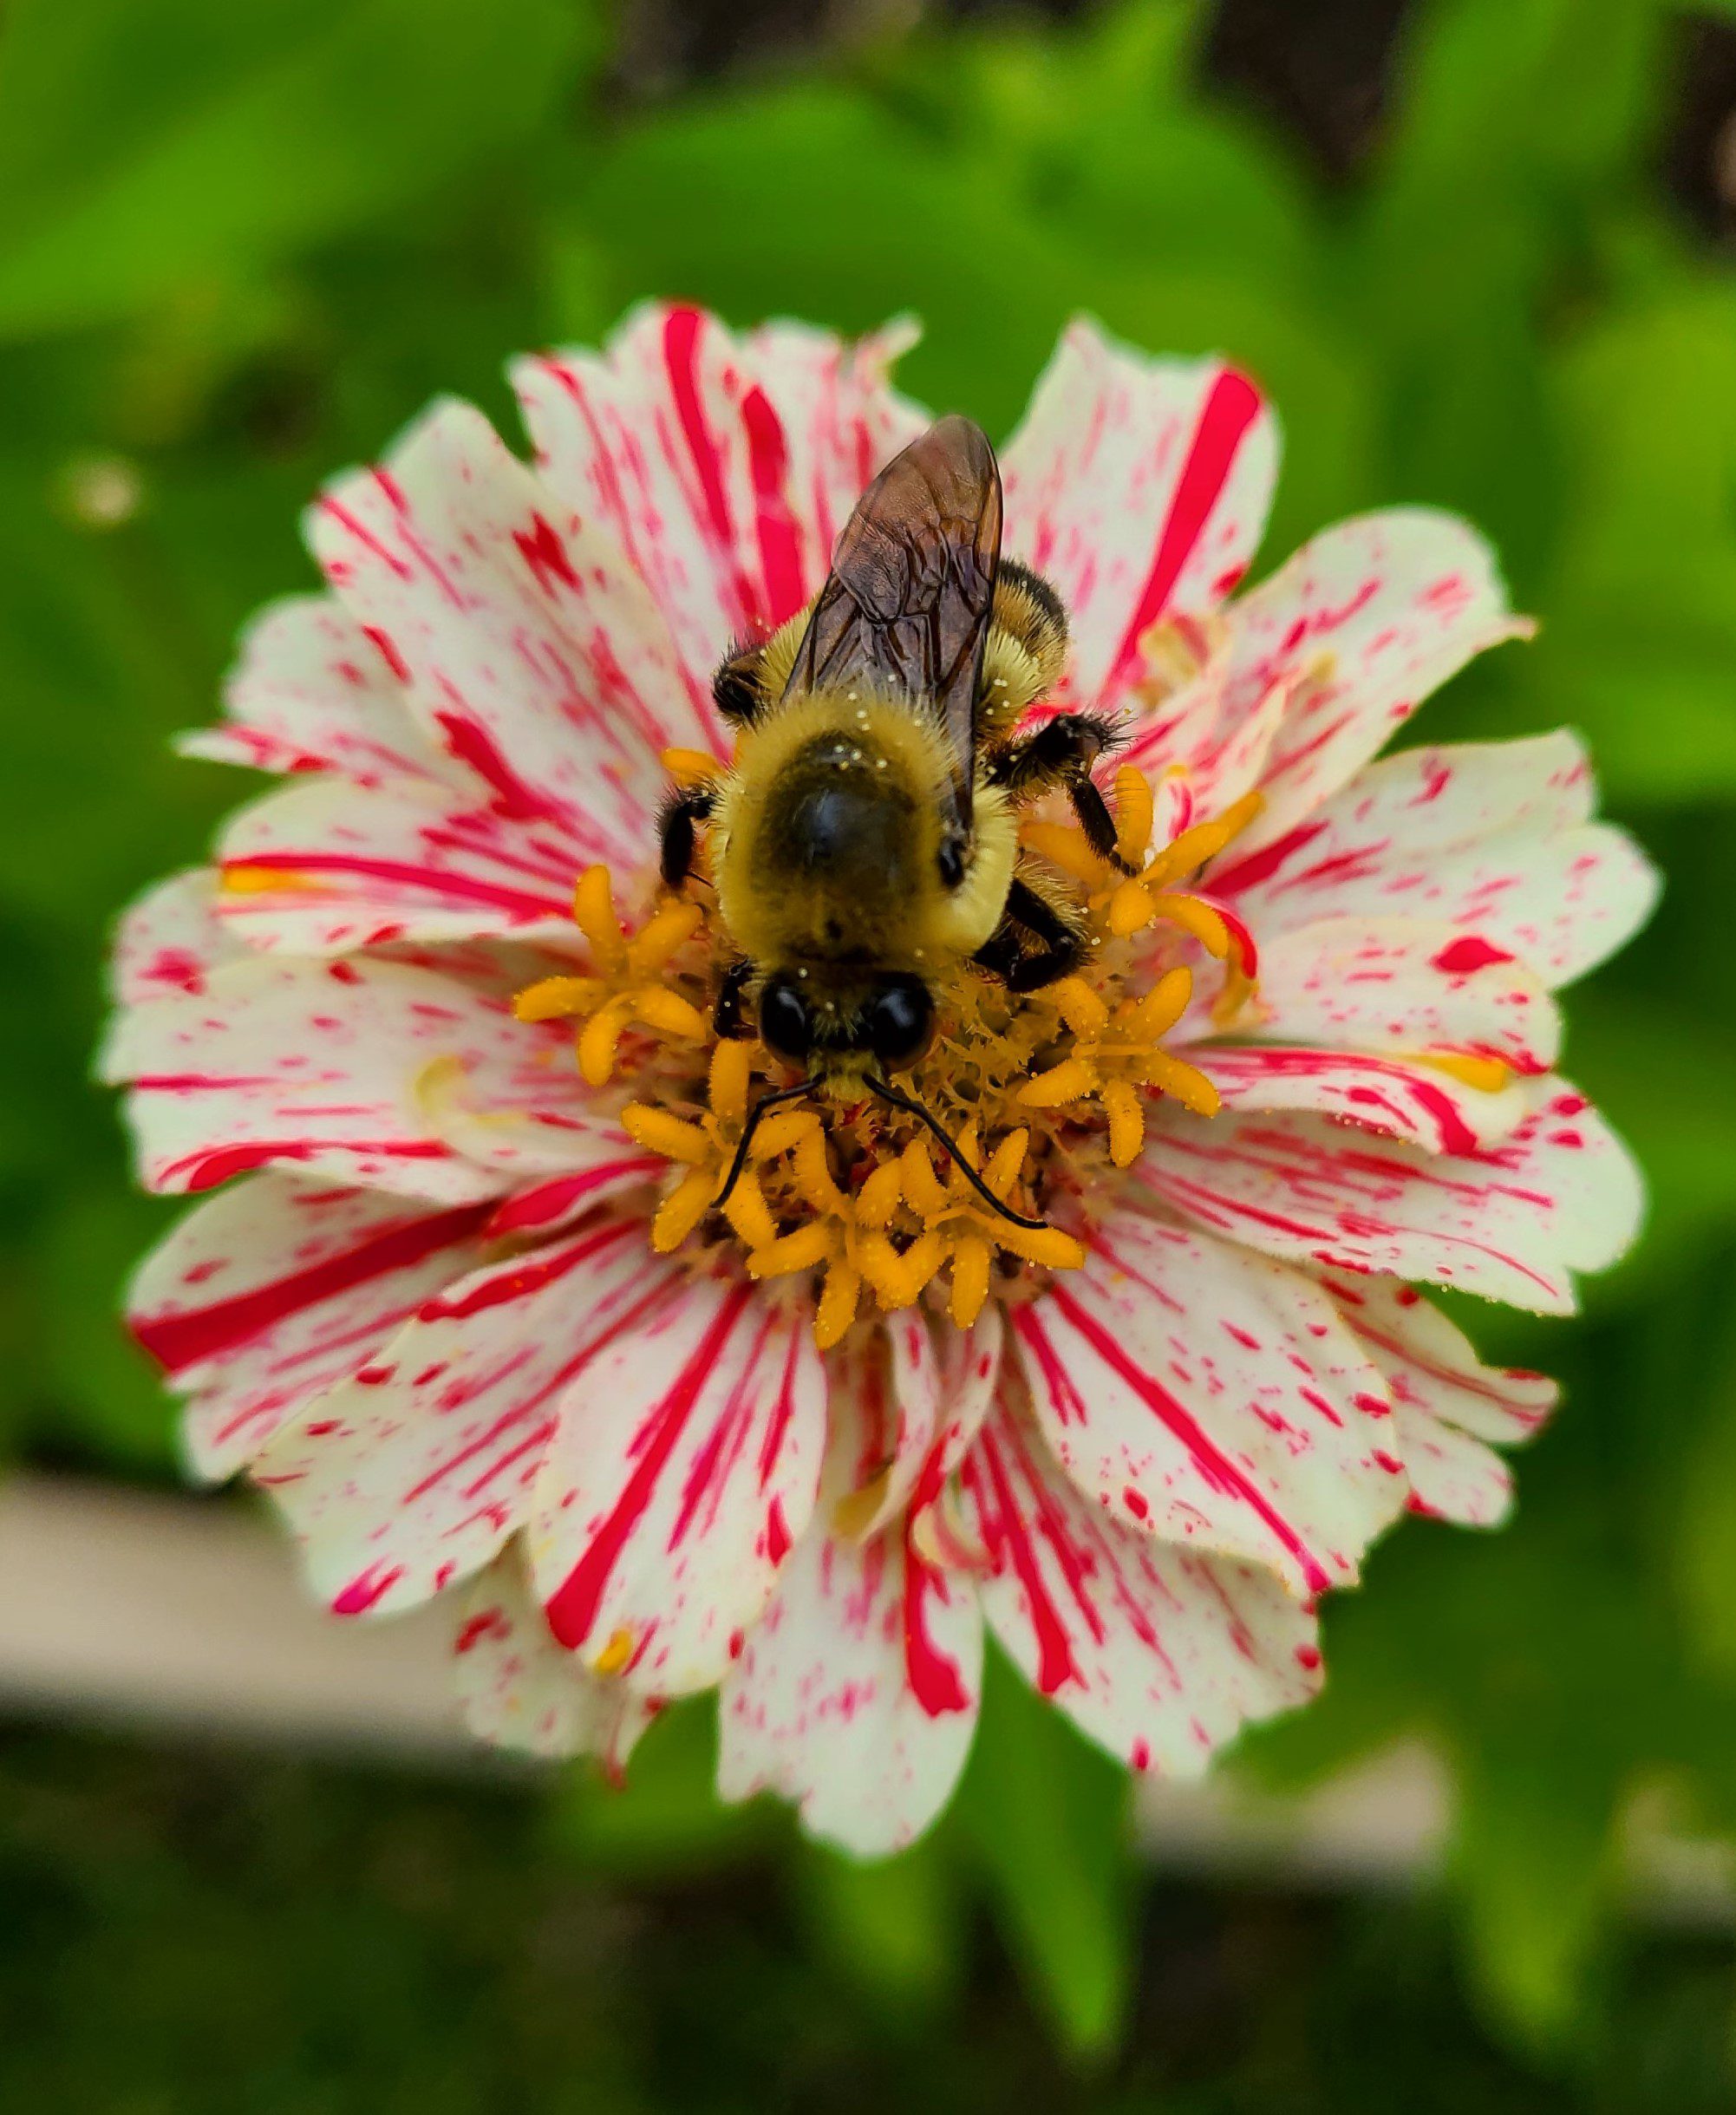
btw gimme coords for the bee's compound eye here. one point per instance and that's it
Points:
(898, 1020)
(785, 1019)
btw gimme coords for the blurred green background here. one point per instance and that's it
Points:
(1480, 252)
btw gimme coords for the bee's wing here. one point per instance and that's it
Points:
(905, 609)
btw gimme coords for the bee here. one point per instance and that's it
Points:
(863, 843)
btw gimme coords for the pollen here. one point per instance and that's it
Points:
(628, 984)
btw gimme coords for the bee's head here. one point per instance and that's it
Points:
(890, 1020)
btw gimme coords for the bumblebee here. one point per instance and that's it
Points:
(864, 842)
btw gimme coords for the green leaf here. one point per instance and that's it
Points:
(1534, 1866)
(316, 120)
(893, 1927)
(1046, 1815)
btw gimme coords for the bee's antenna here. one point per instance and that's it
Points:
(924, 1116)
(765, 1102)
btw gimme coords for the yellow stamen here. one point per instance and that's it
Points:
(1196, 917)
(660, 1132)
(243, 880)
(971, 1260)
(1126, 1122)
(1135, 811)
(1191, 850)
(839, 1294)
(630, 983)
(1067, 849)
(1488, 1074)
(614, 1655)
(557, 998)
(692, 767)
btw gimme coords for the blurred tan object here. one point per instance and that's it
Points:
(129, 1607)
(141, 1610)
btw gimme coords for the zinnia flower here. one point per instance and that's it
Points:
(441, 1047)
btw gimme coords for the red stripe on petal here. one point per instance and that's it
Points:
(1215, 1468)
(571, 1608)
(177, 1342)
(768, 460)
(1229, 409)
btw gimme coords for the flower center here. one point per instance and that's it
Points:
(1045, 1092)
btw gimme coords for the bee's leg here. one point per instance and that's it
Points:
(1059, 951)
(750, 678)
(736, 688)
(688, 805)
(726, 1016)
(1061, 753)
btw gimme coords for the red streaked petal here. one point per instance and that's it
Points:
(529, 648)
(826, 1708)
(345, 866)
(412, 1473)
(1159, 1654)
(1512, 1221)
(1419, 1103)
(273, 1291)
(1448, 1408)
(1387, 983)
(685, 1468)
(726, 464)
(1489, 838)
(1360, 627)
(1204, 1395)
(323, 1068)
(519, 1689)
(1139, 488)
(542, 1207)
(856, 1693)
(311, 690)
(169, 940)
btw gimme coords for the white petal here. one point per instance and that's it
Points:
(170, 939)
(270, 1292)
(1137, 487)
(414, 1473)
(1447, 1404)
(1511, 1221)
(529, 649)
(321, 1067)
(856, 1695)
(519, 1689)
(1433, 1366)
(1159, 1654)
(725, 464)
(1391, 983)
(1361, 624)
(1492, 837)
(684, 1469)
(1420, 1103)
(1204, 1395)
(312, 689)
(327, 864)
(1452, 1476)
